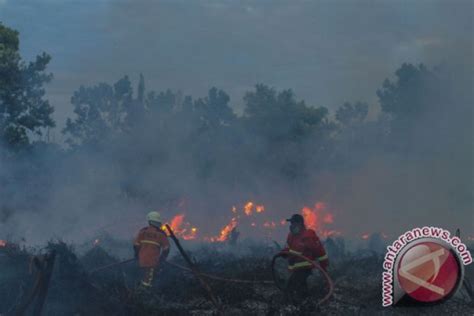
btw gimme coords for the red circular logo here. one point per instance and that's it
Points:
(429, 272)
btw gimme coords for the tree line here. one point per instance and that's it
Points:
(278, 137)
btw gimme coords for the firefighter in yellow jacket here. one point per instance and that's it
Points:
(151, 246)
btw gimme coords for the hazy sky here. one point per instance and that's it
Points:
(326, 51)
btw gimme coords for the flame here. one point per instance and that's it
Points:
(189, 235)
(248, 208)
(181, 228)
(365, 236)
(226, 231)
(310, 218)
(176, 223)
(317, 217)
(3, 243)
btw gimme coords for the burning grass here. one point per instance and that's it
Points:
(76, 291)
(257, 218)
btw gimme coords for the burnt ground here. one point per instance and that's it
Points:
(74, 290)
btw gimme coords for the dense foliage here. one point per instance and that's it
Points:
(23, 109)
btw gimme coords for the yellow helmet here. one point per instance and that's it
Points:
(153, 217)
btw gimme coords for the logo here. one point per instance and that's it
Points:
(423, 266)
(429, 271)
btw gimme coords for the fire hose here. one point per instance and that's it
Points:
(313, 265)
(176, 265)
(281, 254)
(217, 278)
(213, 277)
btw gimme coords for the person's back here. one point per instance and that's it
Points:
(152, 242)
(151, 245)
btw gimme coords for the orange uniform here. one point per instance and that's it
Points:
(307, 244)
(151, 244)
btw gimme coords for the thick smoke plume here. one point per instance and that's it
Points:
(408, 167)
(403, 158)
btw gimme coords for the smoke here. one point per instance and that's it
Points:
(327, 53)
(429, 181)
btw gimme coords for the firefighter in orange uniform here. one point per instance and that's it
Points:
(305, 242)
(151, 246)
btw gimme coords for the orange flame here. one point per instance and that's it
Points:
(365, 236)
(176, 223)
(317, 218)
(181, 228)
(248, 208)
(312, 219)
(3, 243)
(225, 232)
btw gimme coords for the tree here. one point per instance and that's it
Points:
(354, 133)
(427, 108)
(279, 117)
(352, 114)
(23, 109)
(290, 133)
(409, 98)
(211, 123)
(162, 102)
(214, 110)
(101, 111)
(136, 111)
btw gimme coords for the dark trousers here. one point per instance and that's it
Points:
(297, 288)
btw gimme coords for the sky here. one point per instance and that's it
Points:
(328, 52)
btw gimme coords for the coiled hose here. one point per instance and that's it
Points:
(313, 265)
